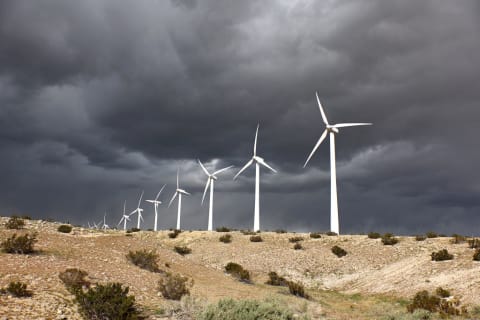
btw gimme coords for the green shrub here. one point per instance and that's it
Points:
(14, 223)
(19, 245)
(281, 231)
(457, 238)
(256, 239)
(476, 255)
(276, 280)
(374, 235)
(297, 289)
(229, 309)
(420, 238)
(144, 259)
(474, 243)
(315, 235)
(183, 250)
(74, 278)
(226, 238)
(174, 287)
(389, 239)
(295, 239)
(64, 228)
(17, 289)
(109, 301)
(442, 293)
(339, 252)
(441, 255)
(431, 234)
(297, 246)
(331, 233)
(174, 233)
(237, 271)
(223, 229)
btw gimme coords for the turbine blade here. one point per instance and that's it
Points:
(124, 206)
(158, 194)
(221, 170)
(206, 188)
(203, 167)
(324, 117)
(140, 200)
(266, 165)
(173, 198)
(121, 221)
(178, 170)
(255, 143)
(185, 192)
(322, 137)
(343, 125)
(243, 169)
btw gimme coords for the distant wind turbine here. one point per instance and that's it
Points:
(258, 161)
(178, 192)
(138, 210)
(125, 217)
(332, 130)
(155, 204)
(210, 181)
(105, 225)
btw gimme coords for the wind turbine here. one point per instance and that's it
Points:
(105, 225)
(125, 217)
(156, 203)
(332, 129)
(139, 211)
(258, 161)
(178, 192)
(211, 179)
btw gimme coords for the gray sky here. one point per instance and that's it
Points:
(100, 99)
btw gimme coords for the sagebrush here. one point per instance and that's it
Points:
(226, 238)
(174, 286)
(64, 228)
(237, 271)
(442, 255)
(74, 278)
(15, 223)
(145, 259)
(19, 244)
(183, 250)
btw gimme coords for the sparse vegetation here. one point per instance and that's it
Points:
(476, 255)
(280, 231)
(295, 239)
(442, 293)
(223, 229)
(441, 255)
(297, 289)
(237, 271)
(248, 232)
(19, 245)
(109, 301)
(420, 238)
(474, 243)
(64, 228)
(431, 234)
(439, 302)
(315, 235)
(74, 278)
(174, 287)
(339, 252)
(389, 239)
(256, 238)
(297, 246)
(276, 280)
(15, 223)
(144, 259)
(17, 289)
(132, 230)
(174, 233)
(457, 239)
(374, 235)
(226, 238)
(331, 233)
(183, 250)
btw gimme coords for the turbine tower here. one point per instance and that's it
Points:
(155, 204)
(210, 181)
(332, 129)
(105, 225)
(125, 217)
(178, 192)
(258, 161)
(139, 211)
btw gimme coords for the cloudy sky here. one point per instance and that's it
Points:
(101, 99)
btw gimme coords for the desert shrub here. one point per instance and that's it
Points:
(223, 229)
(246, 310)
(374, 235)
(19, 245)
(183, 250)
(295, 239)
(297, 246)
(420, 238)
(331, 233)
(476, 255)
(174, 233)
(64, 228)
(339, 252)
(297, 289)
(226, 238)
(25, 217)
(131, 230)
(109, 301)
(248, 232)
(315, 235)
(14, 223)
(237, 271)
(144, 259)
(474, 243)
(437, 303)
(389, 239)
(174, 287)
(74, 278)
(281, 231)
(256, 238)
(442, 293)
(431, 234)
(457, 238)
(423, 300)
(441, 255)
(276, 280)
(17, 289)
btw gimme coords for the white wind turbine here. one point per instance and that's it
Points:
(139, 211)
(125, 217)
(258, 161)
(332, 129)
(178, 192)
(105, 225)
(155, 204)
(210, 181)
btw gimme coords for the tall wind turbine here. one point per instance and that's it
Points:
(139, 211)
(258, 161)
(210, 181)
(178, 192)
(105, 225)
(155, 204)
(332, 129)
(125, 217)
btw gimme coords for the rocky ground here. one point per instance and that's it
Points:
(370, 269)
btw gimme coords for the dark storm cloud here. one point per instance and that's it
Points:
(101, 99)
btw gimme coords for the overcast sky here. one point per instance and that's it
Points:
(101, 99)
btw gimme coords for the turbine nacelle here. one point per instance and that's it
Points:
(332, 128)
(258, 159)
(182, 192)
